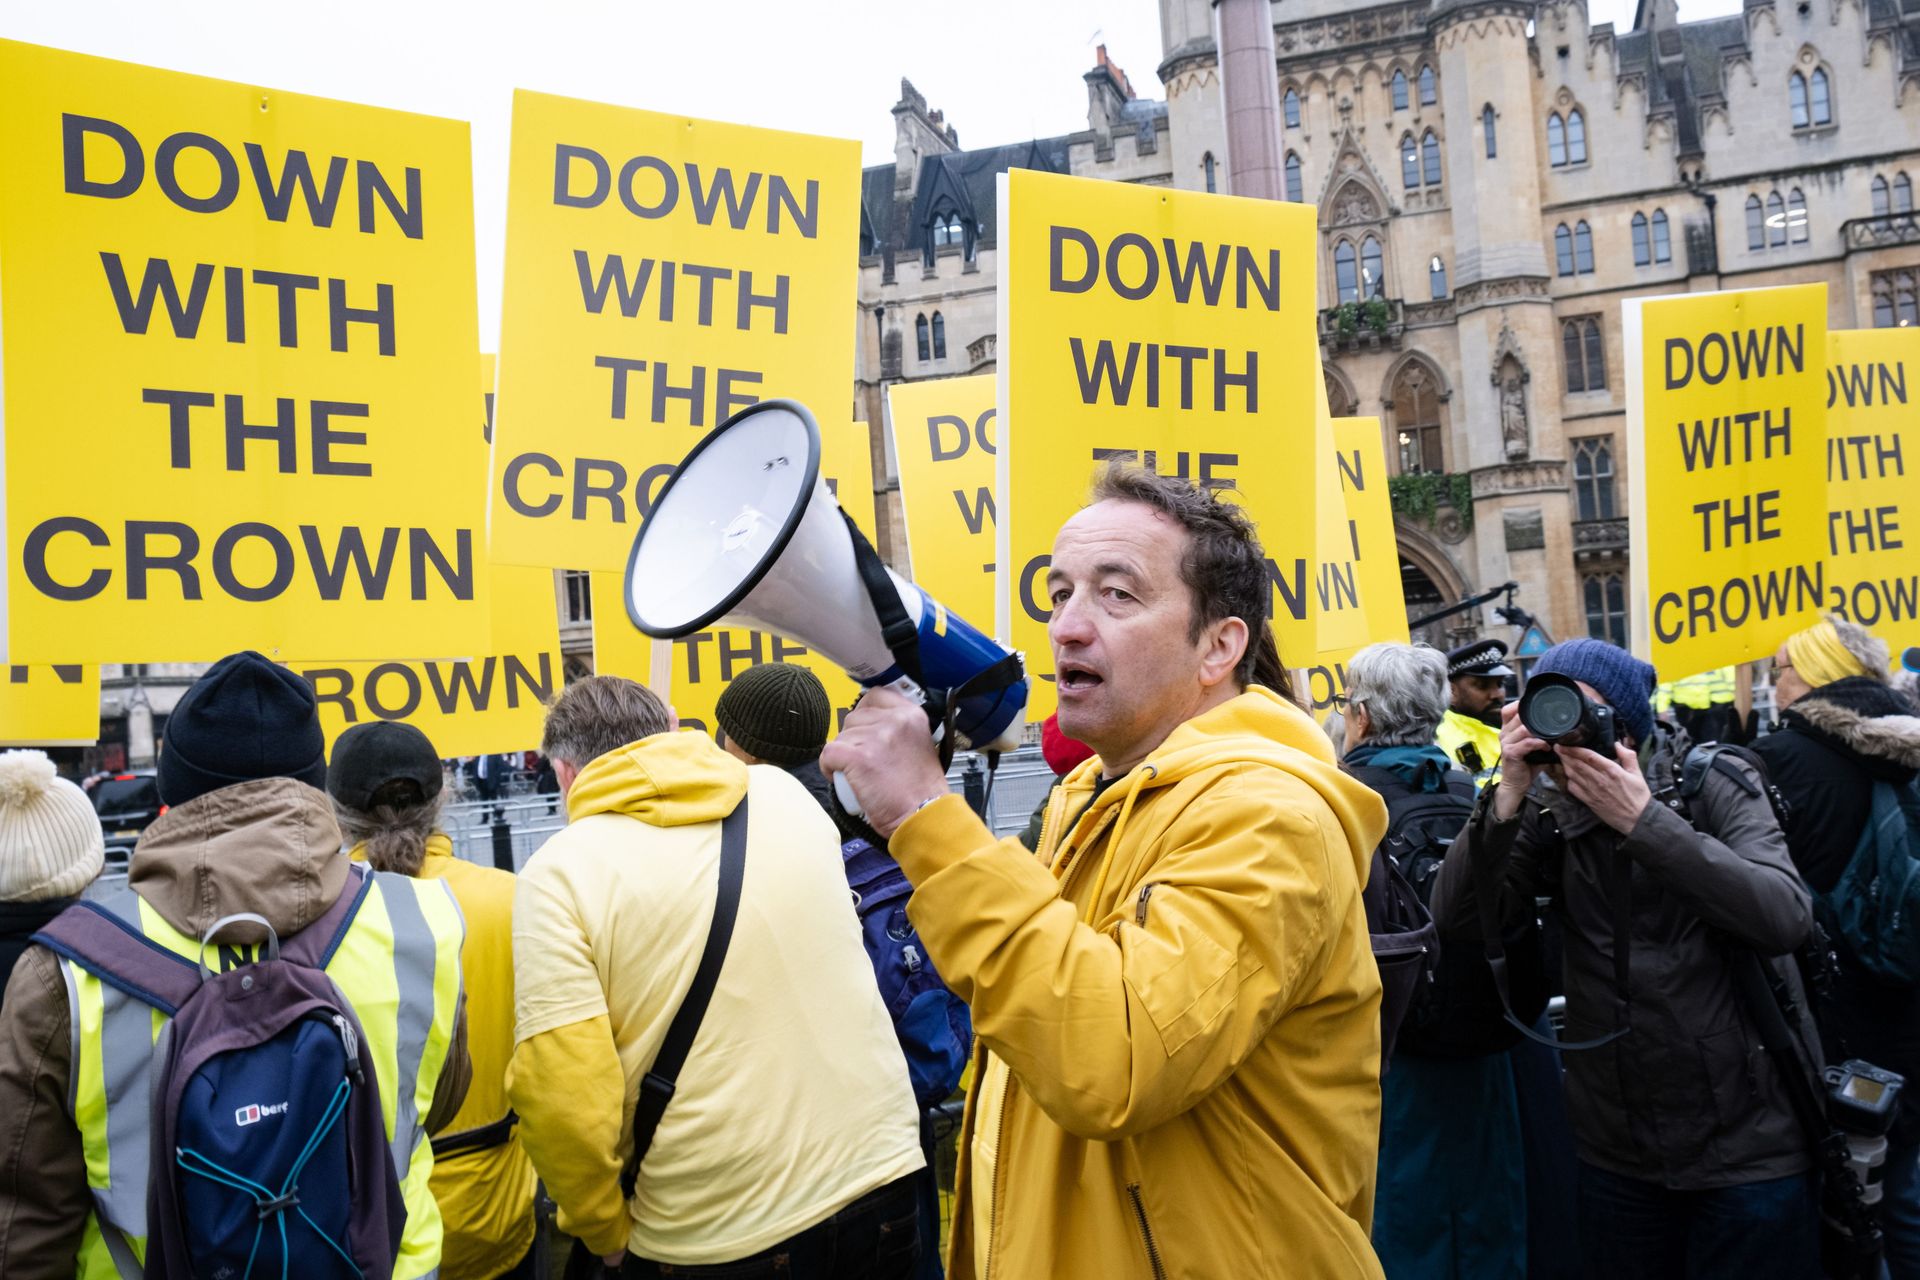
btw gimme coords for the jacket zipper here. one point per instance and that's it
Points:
(999, 1173)
(1140, 913)
(1146, 1231)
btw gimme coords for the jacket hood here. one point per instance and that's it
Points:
(1863, 719)
(269, 847)
(667, 780)
(1259, 726)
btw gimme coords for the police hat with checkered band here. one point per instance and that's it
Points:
(1481, 658)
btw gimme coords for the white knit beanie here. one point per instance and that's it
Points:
(50, 844)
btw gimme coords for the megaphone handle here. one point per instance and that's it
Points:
(843, 791)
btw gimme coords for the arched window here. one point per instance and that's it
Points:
(1662, 241)
(1584, 354)
(1430, 158)
(1399, 90)
(946, 230)
(1339, 403)
(1290, 104)
(1642, 241)
(1576, 137)
(1416, 419)
(922, 343)
(1293, 177)
(1756, 224)
(1206, 163)
(1797, 100)
(1563, 250)
(1880, 202)
(1371, 271)
(1902, 193)
(939, 336)
(1896, 298)
(1821, 97)
(1593, 477)
(1486, 128)
(1409, 163)
(1427, 95)
(1346, 274)
(1606, 598)
(1797, 216)
(1556, 140)
(1582, 248)
(1776, 220)
(1436, 277)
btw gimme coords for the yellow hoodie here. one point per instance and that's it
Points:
(1179, 1009)
(794, 1101)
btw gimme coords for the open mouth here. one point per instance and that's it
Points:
(1078, 679)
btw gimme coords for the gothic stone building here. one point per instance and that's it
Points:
(1493, 177)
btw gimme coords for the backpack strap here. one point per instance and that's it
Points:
(658, 1084)
(314, 946)
(109, 945)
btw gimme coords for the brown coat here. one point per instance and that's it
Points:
(268, 847)
(1687, 1098)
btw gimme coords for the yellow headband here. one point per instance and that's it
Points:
(1819, 656)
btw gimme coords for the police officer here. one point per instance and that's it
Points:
(1477, 681)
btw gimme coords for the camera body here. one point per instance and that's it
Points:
(1555, 710)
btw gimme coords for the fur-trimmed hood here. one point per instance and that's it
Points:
(1863, 718)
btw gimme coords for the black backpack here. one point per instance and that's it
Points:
(1458, 1014)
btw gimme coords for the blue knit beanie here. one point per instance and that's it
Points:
(1622, 679)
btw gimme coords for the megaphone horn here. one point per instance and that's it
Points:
(746, 533)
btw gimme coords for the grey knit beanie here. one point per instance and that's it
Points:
(50, 843)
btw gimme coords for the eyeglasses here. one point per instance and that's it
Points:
(1342, 703)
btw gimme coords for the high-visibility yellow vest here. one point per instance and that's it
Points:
(1699, 692)
(398, 966)
(1458, 732)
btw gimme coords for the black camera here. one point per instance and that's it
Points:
(1554, 710)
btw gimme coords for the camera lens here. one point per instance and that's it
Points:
(1554, 711)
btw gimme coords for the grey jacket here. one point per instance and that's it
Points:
(1688, 1098)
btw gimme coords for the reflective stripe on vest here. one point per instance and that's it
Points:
(398, 966)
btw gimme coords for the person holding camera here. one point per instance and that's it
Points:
(1692, 1160)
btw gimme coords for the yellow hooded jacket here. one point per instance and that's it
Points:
(1178, 1009)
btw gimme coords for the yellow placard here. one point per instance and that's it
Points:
(1726, 395)
(49, 706)
(661, 274)
(1172, 327)
(1364, 558)
(468, 706)
(1873, 499)
(944, 439)
(706, 661)
(239, 327)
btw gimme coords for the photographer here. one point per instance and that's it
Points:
(1692, 1161)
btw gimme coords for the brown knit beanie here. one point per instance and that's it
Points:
(777, 712)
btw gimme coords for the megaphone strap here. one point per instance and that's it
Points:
(896, 628)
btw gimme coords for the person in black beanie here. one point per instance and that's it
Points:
(248, 838)
(777, 713)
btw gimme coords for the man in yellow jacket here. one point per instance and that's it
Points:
(1178, 1005)
(1477, 689)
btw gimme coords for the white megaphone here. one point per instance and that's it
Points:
(746, 533)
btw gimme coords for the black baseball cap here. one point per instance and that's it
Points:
(368, 757)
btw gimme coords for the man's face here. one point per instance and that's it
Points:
(1128, 674)
(1477, 695)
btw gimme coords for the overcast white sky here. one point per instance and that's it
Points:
(1002, 70)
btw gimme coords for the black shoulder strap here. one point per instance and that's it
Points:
(657, 1086)
(1620, 897)
(896, 628)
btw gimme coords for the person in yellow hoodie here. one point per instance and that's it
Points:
(790, 1143)
(1176, 1000)
(385, 782)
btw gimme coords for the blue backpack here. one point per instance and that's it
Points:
(269, 1154)
(1874, 910)
(932, 1024)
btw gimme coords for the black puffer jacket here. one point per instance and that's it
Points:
(1830, 748)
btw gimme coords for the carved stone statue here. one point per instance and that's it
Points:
(1513, 418)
